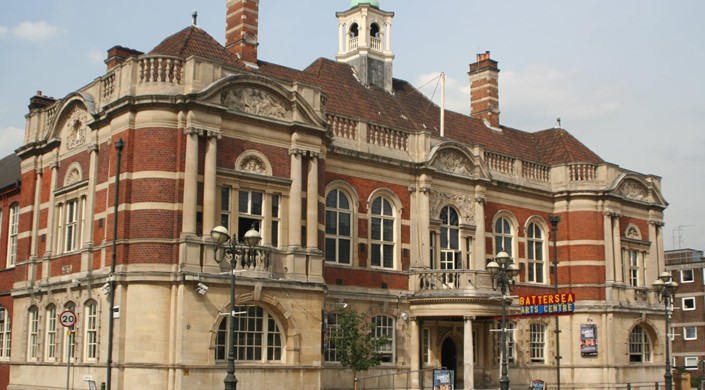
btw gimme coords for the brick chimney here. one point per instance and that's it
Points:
(484, 89)
(241, 29)
(118, 55)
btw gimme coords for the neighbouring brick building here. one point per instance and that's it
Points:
(362, 196)
(687, 267)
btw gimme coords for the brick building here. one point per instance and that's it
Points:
(687, 267)
(362, 196)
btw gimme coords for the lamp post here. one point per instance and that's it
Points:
(503, 270)
(665, 289)
(229, 246)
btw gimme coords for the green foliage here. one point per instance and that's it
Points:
(355, 343)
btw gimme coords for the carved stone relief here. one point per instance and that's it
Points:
(73, 131)
(453, 162)
(633, 190)
(463, 203)
(73, 176)
(253, 164)
(256, 102)
(633, 232)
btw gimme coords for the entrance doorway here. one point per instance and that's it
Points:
(449, 356)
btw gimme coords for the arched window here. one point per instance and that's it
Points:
(535, 253)
(503, 236)
(13, 232)
(33, 334)
(4, 334)
(338, 228)
(382, 233)
(354, 30)
(257, 336)
(384, 326)
(451, 257)
(91, 324)
(639, 345)
(374, 30)
(50, 338)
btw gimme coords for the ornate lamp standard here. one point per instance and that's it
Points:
(503, 270)
(665, 289)
(229, 246)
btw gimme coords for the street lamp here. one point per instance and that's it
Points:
(503, 270)
(665, 289)
(229, 246)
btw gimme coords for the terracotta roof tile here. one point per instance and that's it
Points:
(9, 171)
(194, 41)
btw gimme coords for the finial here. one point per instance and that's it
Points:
(194, 16)
(558, 119)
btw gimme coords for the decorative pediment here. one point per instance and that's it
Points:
(463, 203)
(73, 128)
(256, 102)
(452, 161)
(253, 161)
(632, 189)
(632, 232)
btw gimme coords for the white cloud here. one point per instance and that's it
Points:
(96, 56)
(457, 96)
(35, 31)
(3, 31)
(10, 139)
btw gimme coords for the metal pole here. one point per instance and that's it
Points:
(668, 376)
(68, 360)
(554, 219)
(230, 379)
(504, 379)
(111, 280)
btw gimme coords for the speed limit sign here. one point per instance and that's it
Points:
(67, 318)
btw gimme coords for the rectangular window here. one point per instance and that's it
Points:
(71, 226)
(687, 276)
(538, 342)
(276, 219)
(51, 333)
(688, 303)
(13, 231)
(331, 337)
(91, 331)
(33, 342)
(691, 362)
(384, 326)
(249, 212)
(633, 268)
(468, 253)
(690, 333)
(225, 207)
(4, 334)
(510, 342)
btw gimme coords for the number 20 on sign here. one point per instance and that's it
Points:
(67, 318)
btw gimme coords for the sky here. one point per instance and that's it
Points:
(627, 78)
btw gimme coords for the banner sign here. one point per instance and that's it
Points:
(443, 379)
(547, 304)
(588, 339)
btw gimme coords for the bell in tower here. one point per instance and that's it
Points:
(364, 42)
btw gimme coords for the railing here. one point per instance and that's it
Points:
(376, 44)
(534, 171)
(395, 380)
(342, 127)
(160, 69)
(254, 260)
(436, 280)
(500, 163)
(388, 138)
(352, 44)
(582, 172)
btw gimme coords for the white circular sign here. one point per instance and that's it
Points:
(67, 318)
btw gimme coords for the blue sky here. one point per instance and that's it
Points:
(626, 77)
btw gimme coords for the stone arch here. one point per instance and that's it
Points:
(632, 231)
(253, 161)
(74, 174)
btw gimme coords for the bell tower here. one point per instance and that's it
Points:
(364, 41)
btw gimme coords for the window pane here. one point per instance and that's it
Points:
(331, 222)
(344, 255)
(256, 203)
(344, 228)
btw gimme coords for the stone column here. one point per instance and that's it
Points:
(295, 199)
(469, 364)
(312, 202)
(480, 248)
(415, 351)
(617, 249)
(209, 187)
(188, 226)
(35, 214)
(424, 218)
(89, 209)
(51, 218)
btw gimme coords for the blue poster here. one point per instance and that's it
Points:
(443, 379)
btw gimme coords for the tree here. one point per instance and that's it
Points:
(356, 346)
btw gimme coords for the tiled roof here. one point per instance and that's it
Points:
(9, 171)
(408, 109)
(405, 109)
(194, 41)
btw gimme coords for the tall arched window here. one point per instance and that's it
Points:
(91, 324)
(50, 338)
(503, 236)
(639, 345)
(4, 334)
(451, 257)
(338, 228)
(33, 333)
(13, 232)
(382, 233)
(535, 253)
(257, 336)
(70, 337)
